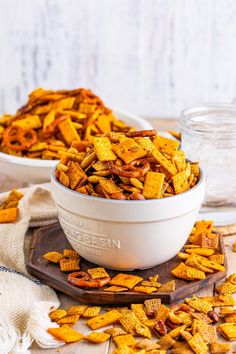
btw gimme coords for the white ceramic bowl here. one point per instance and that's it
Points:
(38, 171)
(127, 235)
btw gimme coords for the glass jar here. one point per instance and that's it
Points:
(209, 136)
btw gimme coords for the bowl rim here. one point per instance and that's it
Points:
(27, 161)
(125, 202)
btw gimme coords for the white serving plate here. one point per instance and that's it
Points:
(38, 171)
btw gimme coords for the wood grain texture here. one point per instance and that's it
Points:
(149, 57)
(44, 241)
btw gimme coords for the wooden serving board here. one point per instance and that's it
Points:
(52, 238)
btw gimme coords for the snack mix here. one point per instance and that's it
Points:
(134, 165)
(151, 327)
(9, 207)
(48, 123)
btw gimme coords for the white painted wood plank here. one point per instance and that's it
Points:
(150, 57)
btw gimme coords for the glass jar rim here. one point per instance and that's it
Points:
(225, 113)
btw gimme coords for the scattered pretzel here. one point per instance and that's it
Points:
(83, 280)
(18, 139)
(141, 133)
(134, 169)
(136, 196)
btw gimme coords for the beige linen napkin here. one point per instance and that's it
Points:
(20, 292)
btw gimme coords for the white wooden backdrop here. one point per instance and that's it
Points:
(151, 57)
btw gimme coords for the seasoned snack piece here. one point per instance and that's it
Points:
(77, 310)
(124, 350)
(213, 265)
(115, 289)
(180, 182)
(152, 306)
(195, 261)
(139, 311)
(226, 288)
(183, 255)
(230, 317)
(132, 325)
(176, 332)
(124, 340)
(228, 330)
(153, 185)
(98, 337)
(57, 314)
(175, 134)
(204, 226)
(207, 332)
(167, 287)
(28, 123)
(185, 318)
(8, 215)
(126, 280)
(97, 273)
(146, 144)
(201, 251)
(66, 333)
(201, 316)
(54, 257)
(68, 131)
(227, 310)
(197, 344)
(162, 313)
(69, 265)
(92, 311)
(166, 145)
(147, 344)
(119, 309)
(217, 258)
(220, 348)
(109, 187)
(104, 319)
(221, 300)
(178, 160)
(70, 254)
(174, 318)
(164, 162)
(166, 342)
(128, 150)
(72, 319)
(115, 331)
(75, 174)
(210, 240)
(183, 271)
(145, 289)
(12, 199)
(143, 330)
(129, 321)
(103, 149)
(199, 304)
(181, 348)
(232, 279)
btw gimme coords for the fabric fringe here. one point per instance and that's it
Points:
(39, 322)
(8, 337)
